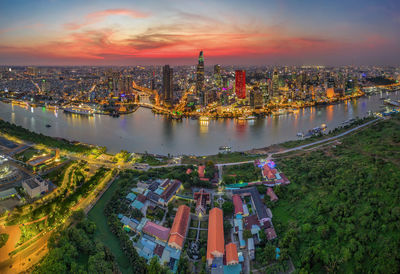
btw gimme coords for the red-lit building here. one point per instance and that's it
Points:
(240, 83)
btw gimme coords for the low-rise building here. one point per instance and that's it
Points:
(159, 232)
(35, 186)
(231, 256)
(179, 227)
(202, 199)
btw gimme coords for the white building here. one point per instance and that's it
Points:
(35, 186)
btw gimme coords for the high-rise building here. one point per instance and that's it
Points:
(200, 78)
(256, 98)
(217, 76)
(240, 84)
(275, 84)
(168, 84)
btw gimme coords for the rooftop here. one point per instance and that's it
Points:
(215, 243)
(156, 230)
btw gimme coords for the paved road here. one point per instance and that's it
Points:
(324, 140)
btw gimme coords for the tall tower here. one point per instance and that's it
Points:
(240, 84)
(168, 84)
(275, 83)
(200, 78)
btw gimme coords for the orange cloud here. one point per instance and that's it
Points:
(99, 16)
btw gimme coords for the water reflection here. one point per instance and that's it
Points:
(143, 130)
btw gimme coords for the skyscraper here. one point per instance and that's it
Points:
(217, 76)
(275, 84)
(200, 78)
(240, 84)
(168, 84)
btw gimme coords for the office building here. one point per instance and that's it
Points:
(168, 84)
(240, 84)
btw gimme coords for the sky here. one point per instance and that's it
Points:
(247, 32)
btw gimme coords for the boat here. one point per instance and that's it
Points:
(251, 118)
(47, 125)
(278, 112)
(204, 119)
(225, 148)
(300, 134)
(79, 110)
(50, 107)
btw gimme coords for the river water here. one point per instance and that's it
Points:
(144, 131)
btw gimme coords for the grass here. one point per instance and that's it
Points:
(30, 231)
(192, 233)
(3, 239)
(28, 154)
(241, 173)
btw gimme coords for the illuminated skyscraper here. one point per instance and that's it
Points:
(217, 76)
(275, 84)
(168, 84)
(200, 78)
(240, 84)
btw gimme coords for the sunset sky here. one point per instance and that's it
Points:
(56, 32)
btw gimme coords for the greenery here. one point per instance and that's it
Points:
(219, 158)
(38, 138)
(30, 231)
(228, 208)
(335, 131)
(74, 250)
(3, 239)
(341, 211)
(241, 173)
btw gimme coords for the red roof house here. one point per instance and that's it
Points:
(231, 255)
(237, 202)
(156, 230)
(215, 242)
(179, 227)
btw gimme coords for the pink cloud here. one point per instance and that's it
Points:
(99, 16)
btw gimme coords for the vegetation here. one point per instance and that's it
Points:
(219, 158)
(3, 239)
(30, 231)
(335, 131)
(74, 250)
(241, 173)
(341, 212)
(38, 138)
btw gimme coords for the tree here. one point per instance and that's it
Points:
(247, 234)
(227, 208)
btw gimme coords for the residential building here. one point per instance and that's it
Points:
(237, 202)
(231, 256)
(159, 232)
(179, 227)
(215, 242)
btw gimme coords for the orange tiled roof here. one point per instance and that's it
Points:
(215, 243)
(231, 254)
(180, 226)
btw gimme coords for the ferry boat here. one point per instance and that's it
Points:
(204, 119)
(251, 118)
(50, 107)
(225, 148)
(82, 110)
(278, 112)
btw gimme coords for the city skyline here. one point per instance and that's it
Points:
(256, 33)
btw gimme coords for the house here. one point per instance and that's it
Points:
(231, 254)
(202, 199)
(157, 231)
(215, 242)
(131, 196)
(271, 194)
(179, 227)
(237, 202)
(35, 186)
(169, 192)
(200, 171)
(271, 234)
(250, 247)
(137, 204)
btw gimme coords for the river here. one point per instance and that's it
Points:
(144, 131)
